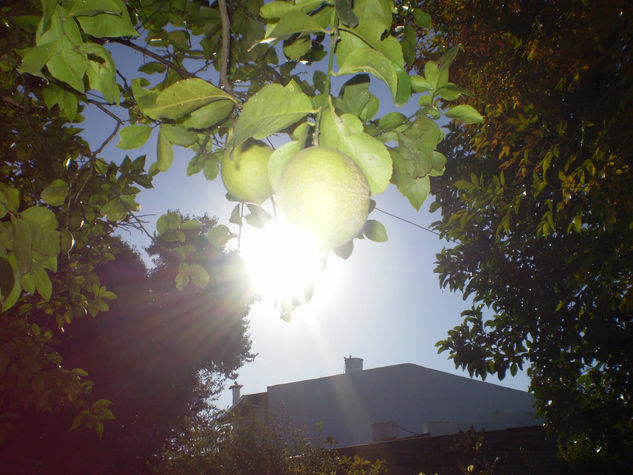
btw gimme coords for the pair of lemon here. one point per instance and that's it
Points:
(320, 191)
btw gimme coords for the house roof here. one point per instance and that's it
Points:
(415, 399)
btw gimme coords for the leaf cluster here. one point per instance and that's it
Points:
(537, 205)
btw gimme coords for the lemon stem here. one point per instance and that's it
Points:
(328, 80)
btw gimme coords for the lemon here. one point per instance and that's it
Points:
(323, 192)
(245, 175)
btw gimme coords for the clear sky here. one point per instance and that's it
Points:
(384, 304)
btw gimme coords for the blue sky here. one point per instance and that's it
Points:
(383, 304)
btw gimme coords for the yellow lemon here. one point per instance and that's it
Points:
(323, 192)
(245, 175)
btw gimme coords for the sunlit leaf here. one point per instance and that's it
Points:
(183, 97)
(134, 136)
(105, 25)
(164, 150)
(371, 61)
(272, 109)
(291, 23)
(219, 235)
(209, 115)
(114, 210)
(277, 161)
(345, 133)
(465, 113)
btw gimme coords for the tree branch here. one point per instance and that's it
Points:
(182, 72)
(226, 45)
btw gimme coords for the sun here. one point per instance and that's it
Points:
(282, 262)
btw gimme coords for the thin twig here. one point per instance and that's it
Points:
(182, 72)
(226, 44)
(140, 225)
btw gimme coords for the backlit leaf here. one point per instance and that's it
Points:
(164, 150)
(345, 133)
(183, 97)
(134, 136)
(465, 113)
(375, 231)
(277, 161)
(272, 109)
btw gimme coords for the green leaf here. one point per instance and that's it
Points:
(291, 23)
(345, 250)
(277, 161)
(465, 113)
(9, 199)
(101, 74)
(236, 215)
(415, 190)
(183, 97)
(199, 276)
(153, 67)
(371, 61)
(190, 225)
(272, 109)
(432, 74)
(42, 217)
(134, 136)
(375, 231)
(409, 43)
(295, 48)
(445, 62)
(218, 236)
(179, 135)
(451, 91)
(391, 120)
(421, 18)
(420, 84)
(55, 193)
(370, 154)
(275, 9)
(42, 282)
(403, 92)
(356, 99)
(439, 163)
(209, 115)
(258, 216)
(173, 235)
(165, 152)
(114, 210)
(211, 169)
(69, 66)
(168, 221)
(345, 12)
(377, 10)
(37, 57)
(105, 25)
(179, 39)
(94, 7)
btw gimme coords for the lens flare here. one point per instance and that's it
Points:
(283, 262)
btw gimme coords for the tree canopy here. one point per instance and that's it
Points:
(156, 358)
(537, 205)
(204, 76)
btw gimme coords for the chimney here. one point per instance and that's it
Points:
(236, 392)
(353, 365)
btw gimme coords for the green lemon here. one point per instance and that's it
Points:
(324, 193)
(245, 174)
